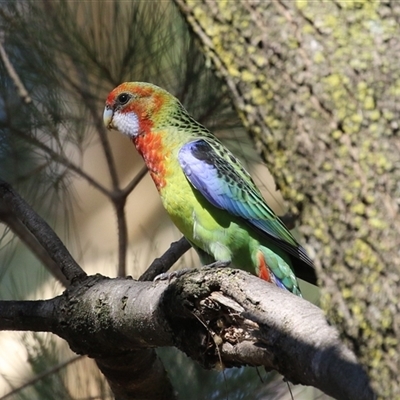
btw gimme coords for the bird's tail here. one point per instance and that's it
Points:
(276, 268)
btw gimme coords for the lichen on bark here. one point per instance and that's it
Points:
(316, 85)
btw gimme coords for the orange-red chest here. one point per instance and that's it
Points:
(150, 146)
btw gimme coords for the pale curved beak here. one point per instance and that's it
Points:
(107, 117)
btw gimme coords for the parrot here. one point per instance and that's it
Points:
(205, 189)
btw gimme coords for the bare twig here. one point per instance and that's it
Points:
(135, 181)
(62, 160)
(102, 132)
(116, 198)
(41, 231)
(119, 200)
(165, 262)
(119, 206)
(22, 92)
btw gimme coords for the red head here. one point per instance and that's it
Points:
(134, 108)
(140, 111)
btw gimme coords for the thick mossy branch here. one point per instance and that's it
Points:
(216, 316)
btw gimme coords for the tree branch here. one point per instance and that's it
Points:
(167, 260)
(213, 315)
(57, 157)
(117, 197)
(137, 375)
(48, 239)
(22, 92)
(30, 241)
(135, 181)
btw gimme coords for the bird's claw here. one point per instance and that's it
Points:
(219, 264)
(177, 274)
(170, 275)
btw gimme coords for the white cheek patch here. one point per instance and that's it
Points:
(126, 123)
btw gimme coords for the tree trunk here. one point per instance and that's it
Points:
(316, 85)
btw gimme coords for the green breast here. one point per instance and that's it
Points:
(211, 229)
(219, 233)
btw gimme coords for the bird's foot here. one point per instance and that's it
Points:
(218, 264)
(177, 274)
(170, 275)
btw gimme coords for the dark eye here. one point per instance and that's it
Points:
(123, 98)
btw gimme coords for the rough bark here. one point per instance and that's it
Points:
(316, 84)
(216, 316)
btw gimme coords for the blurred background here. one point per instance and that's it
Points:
(55, 151)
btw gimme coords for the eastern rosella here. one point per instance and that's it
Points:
(205, 189)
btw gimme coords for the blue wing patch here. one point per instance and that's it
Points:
(222, 180)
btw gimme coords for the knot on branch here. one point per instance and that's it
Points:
(207, 319)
